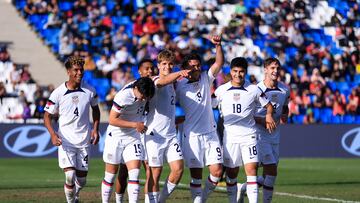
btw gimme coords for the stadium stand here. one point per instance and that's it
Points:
(317, 43)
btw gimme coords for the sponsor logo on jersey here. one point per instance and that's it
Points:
(29, 141)
(351, 141)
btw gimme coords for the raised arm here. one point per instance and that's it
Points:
(219, 58)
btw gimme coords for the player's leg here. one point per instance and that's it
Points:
(269, 157)
(132, 156)
(194, 156)
(213, 159)
(121, 183)
(249, 153)
(176, 163)
(67, 159)
(232, 161)
(82, 167)
(153, 185)
(112, 157)
(145, 164)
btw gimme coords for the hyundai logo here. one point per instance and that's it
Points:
(351, 141)
(29, 141)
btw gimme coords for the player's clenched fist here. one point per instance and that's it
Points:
(216, 39)
(140, 127)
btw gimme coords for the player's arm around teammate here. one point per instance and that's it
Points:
(161, 141)
(72, 101)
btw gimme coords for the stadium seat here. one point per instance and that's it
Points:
(65, 5)
(357, 79)
(348, 119)
(179, 111)
(316, 113)
(336, 119)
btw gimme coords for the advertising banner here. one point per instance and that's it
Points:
(340, 141)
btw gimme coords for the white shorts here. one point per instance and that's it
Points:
(74, 157)
(122, 149)
(159, 149)
(142, 139)
(237, 154)
(201, 150)
(268, 152)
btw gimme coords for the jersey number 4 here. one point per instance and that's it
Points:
(76, 112)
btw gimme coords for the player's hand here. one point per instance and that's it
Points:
(140, 127)
(184, 73)
(270, 123)
(55, 140)
(94, 137)
(216, 39)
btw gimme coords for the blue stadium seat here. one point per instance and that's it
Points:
(298, 119)
(216, 115)
(65, 5)
(316, 113)
(357, 79)
(349, 119)
(226, 69)
(357, 119)
(332, 85)
(336, 119)
(179, 111)
(342, 86)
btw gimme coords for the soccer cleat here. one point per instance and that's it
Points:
(241, 192)
(76, 199)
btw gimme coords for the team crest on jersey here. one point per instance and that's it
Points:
(274, 98)
(236, 96)
(75, 99)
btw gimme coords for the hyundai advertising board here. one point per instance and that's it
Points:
(341, 141)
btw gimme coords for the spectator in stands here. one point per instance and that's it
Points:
(89, 62)
(26, 112)
(339, 104)
(25, 75)
(14, 76)
(353, 106)
(40, 109)
(329, 98)
(2, 90)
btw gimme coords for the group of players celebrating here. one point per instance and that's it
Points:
(142, 129)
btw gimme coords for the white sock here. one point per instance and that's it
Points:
(252, 189)
(80, 182)
(69, 187)
(169, 187)
(268, 188)
(133, 185)
(106, 187)
(196, 192)
(147, 199)
(231, 187)
(119, 198)
(210, 185)
(153, 197)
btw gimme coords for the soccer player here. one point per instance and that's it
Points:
(122, 144)
(72, 101)
(145, 69)
(161, 140)
(268, 146)
(201, 144)
(237, 101)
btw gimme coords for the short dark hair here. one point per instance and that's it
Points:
(239, 62)
(189, 57)
(145, 86)
(74, 60)
(145, 61)
(271, 60)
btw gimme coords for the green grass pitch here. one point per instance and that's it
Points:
(299, 180)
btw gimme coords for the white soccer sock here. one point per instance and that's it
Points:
(210, 185)
(252, 189)
(169, 187)
(133, 185)
(119, 198)
(79, 183)
(69, 187)
(268, 188)
(231, 187)
(106, 186)
(196, 192)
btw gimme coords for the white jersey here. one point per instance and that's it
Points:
(73, 109)
(130, 109)
(161, 116)
(195, 99)
(279, 97)
(238, 107)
